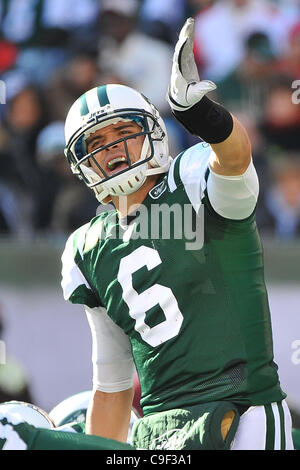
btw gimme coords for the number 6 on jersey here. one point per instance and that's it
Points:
(139, 304)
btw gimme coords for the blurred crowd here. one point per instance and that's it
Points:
(51, 51)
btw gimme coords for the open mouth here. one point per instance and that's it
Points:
(116, 164)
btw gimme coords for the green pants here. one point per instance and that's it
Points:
(194, 427)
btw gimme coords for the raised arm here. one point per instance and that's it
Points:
(232, 156)
(202, 116)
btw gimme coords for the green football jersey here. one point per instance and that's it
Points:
(187, 287)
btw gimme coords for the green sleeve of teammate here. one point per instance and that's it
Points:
(47, 439)
(24, 436)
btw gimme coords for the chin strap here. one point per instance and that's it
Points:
(159, 169)
(101, 192)
(92, 177)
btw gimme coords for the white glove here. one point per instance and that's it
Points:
(185, 88)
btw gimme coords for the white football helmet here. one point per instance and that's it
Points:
(74, 408)
(100, 107)
(20, 411)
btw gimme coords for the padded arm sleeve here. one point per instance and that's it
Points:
(113, 366)
(233, 197)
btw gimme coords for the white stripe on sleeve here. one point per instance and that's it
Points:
(72, 277)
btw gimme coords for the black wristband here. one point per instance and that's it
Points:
(208, 120)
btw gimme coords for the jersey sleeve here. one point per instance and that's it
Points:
(15, 434)
(113, 366)
(232, 197)
(74, 284)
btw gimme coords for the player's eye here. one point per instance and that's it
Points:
(126, 132)
(94, 144)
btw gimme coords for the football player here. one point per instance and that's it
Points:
(172, 277)
(24, 426)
